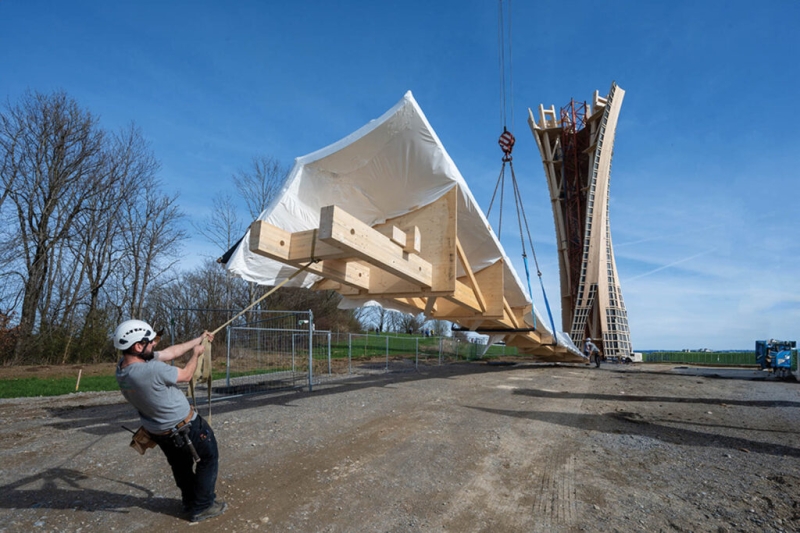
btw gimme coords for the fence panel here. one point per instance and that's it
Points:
(277, 350)
(702, 358)
(266, 350)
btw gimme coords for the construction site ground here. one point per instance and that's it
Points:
(459, 448)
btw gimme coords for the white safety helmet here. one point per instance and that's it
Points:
(132, 331)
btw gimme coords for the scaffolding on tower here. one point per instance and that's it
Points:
(574, 142)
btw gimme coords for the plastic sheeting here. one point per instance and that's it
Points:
(389, 167)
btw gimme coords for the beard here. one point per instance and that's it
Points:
(147, 356)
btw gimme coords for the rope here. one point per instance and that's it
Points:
(499, 185)
(206, 361)
(275, 288)
(520, 215)
(518, 196)
(507, 143)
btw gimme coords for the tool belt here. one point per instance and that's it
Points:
(180, 435)
(185, 421)
(180, 424)
(142, 441)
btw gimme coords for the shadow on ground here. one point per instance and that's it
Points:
(63, 488)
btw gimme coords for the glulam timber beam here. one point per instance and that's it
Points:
(412, 261)
(345, 232)
(276, 243)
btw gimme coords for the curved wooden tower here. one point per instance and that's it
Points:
(576, 148)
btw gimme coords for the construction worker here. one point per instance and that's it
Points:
(591, 351)
(151, 386)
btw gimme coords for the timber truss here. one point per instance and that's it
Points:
(411, 262)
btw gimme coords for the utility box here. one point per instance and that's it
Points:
(776, 356)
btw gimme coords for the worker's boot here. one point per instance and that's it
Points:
(216, 509)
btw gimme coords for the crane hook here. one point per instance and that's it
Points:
(506, 143)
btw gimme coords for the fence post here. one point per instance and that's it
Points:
(387, 352)
(441, 339)
(293, 357)
(329, 353)
(416, 353)
(349, 353)
(228, 358)
(310, 351)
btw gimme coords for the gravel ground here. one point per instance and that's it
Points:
(460, 448)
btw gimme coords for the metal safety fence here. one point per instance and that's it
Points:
(702, 358)
(272, 350)
(268, 350)
(262, 358)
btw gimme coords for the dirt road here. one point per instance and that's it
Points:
(460, 448)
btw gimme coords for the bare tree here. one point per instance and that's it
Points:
(52, 155)
(440, 328)
(376, 317)
(130, 167)
(324, 305)
(151, 240)
(260, 184)
(408, 323)
(222, 227)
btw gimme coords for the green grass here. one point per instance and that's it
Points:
(28, 387)
(362, 347)
(707, 358)
(365, 346)
(32, 387)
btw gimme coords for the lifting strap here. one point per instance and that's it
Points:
(506, 143)
(203, 371)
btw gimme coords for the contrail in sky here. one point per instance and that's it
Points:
(668, 235)
(672, 264)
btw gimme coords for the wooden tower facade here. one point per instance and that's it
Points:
(576, 147)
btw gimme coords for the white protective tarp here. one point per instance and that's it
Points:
(389, 167)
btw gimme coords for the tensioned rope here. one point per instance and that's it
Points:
(203, 371)
(506, 143)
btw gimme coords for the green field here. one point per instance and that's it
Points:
(706, 358)
(28, 387)
(366, 346)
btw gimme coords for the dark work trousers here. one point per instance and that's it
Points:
(196, 481)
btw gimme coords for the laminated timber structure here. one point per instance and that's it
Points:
(576, 147)
(384, 216)
(409, 263)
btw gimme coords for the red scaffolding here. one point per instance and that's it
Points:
(574, 141)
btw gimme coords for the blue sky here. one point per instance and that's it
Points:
(704, 210)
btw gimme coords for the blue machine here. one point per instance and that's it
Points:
(777, 356)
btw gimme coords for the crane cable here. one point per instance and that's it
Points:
(506, 143)
(505, 103)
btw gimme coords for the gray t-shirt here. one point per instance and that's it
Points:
(152, 388)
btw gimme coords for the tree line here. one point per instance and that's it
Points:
(88, 238)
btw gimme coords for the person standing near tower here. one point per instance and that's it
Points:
(151, 386)
(591, 351)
